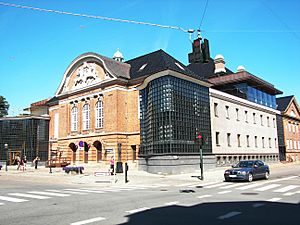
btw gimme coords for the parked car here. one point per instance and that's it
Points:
(248, 170)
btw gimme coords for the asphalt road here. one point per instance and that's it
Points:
(275, 201)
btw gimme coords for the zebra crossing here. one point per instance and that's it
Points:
(67, 192)
(271, 185)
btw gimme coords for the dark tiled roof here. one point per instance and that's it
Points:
(155, 62)
(283, 102)
(205, 70)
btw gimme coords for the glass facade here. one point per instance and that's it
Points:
(27, 136)
(173, 112)
(255, 95)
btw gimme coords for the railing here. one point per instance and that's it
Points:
(58, 162)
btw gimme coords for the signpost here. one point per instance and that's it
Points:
(200, 139)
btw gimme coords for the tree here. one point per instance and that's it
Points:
(3, 106)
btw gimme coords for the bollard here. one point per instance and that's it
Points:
(126, 169)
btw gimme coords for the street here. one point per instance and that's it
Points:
(273, 201)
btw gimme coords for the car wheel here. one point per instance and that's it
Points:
(267, 175)
(250, 177)
(227, 180)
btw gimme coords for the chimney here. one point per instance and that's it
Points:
(240, 68)
(219, 64)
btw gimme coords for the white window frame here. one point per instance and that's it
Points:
(99, 114)
(86, 117)
(74, 119)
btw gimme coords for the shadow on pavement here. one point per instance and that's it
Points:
(225, 213)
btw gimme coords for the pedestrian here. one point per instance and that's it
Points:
(24, 162)
(18, 159)
(36, 162)
(112, 165)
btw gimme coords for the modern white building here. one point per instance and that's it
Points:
(241, 129)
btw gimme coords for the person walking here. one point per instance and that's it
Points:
(24, 162)
(36, 162)
(112, 165)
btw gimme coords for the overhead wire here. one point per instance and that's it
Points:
(203, 14)
(96, 17)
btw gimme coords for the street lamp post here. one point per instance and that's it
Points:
(6, 148)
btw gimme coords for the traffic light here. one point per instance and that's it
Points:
(200, 51)
(200, 139)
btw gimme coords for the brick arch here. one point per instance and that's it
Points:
(97, 144)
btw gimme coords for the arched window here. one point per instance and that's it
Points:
(86, 117)
(74, 118)
(99, 114)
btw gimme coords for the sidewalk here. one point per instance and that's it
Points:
(134, 176)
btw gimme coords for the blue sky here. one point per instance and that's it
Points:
(37, 47)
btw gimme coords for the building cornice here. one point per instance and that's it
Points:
(240, 101)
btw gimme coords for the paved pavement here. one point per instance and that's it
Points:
(134, 177)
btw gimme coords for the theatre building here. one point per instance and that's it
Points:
(94, 113)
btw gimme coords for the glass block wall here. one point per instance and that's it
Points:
(173, 112)
(27, 136)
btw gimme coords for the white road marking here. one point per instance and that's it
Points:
(281, 179)
(273, 200)
(204, 184)
(216, 185)
(250, 186)
(10, 199)
(88, 221)
(68, 192)
(289, 193)
(186, 184)
(287, 188)
(102, 189)
(224, 192)
(256, 205)
(29, 195)
(1, 203)
(171, 203)
(204, 196)
(48, 193)
(268, 187)
(137, 210)
(229, 215)
(232, 186)
(81, 190)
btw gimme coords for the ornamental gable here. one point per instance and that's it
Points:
(293, 110)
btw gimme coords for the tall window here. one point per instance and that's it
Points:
(216, 109)
(74, 118)
(86, 116)
(227, 111)
(248, 141)
(237, 114)
(261, 120)
(228, 139)
(255, 141)
(268, 121)
(270, 143)
(254, 118)
(274, 123)
(263, 142)
(217, 138)
(239, 140)
(99, 114)
(246, 116)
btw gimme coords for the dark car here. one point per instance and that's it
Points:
(248, 170)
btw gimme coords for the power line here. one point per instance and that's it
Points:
(205, 8)
(96, 17)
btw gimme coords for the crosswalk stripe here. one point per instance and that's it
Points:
(232, 186)
(48, 193)
(1, 203)
(289, 193)
(287, 188)
(203, 184)
(273, 200)
(81, 190)
(102, 189)
(29, 195)
(216, 185)
(171, 203)
(204, 196)
(268, 187)
(137, 210)
(185, 184)
(224, 192)
(67, 192)
(281, 179)
(11, 199)
(250, 186)
(88, 221)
